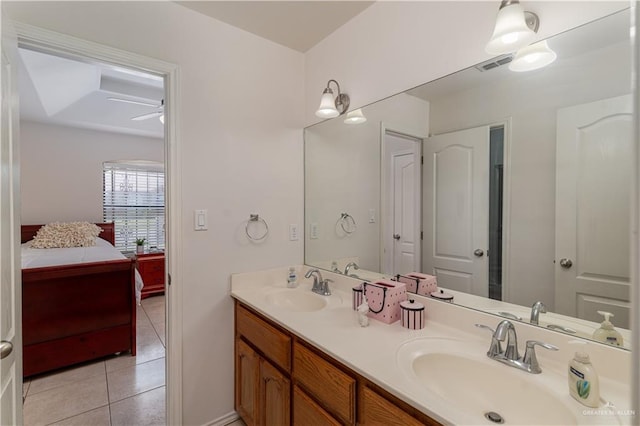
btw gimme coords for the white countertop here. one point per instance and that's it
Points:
(373, 351)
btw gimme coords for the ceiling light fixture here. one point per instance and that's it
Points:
(515, 28)
(532, 57)
(330, 107)
(355, 117)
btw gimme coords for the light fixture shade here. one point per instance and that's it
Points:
(511, 31)
(327, 108)
(532, 57)
(355, 117)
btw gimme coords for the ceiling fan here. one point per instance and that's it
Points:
(158, 113)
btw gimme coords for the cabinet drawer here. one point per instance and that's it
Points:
(334, 389)
(273, 343)
(307, 412)
(152, 278)
(378, 410)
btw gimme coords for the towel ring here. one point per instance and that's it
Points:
(347, 223)
(254, 218)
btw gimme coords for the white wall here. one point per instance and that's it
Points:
(61, 169)
(240, 154)
(395, 45)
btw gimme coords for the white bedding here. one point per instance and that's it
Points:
(103, 250)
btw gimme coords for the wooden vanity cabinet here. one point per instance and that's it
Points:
(280, 379)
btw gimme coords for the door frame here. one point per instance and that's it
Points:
(506, 206)
(384, 197)
(52, 42)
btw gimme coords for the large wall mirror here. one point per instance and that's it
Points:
(523, 194)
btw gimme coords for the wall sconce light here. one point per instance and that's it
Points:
(330, 107)
(355, 117)
(515, 28)
(532, 57)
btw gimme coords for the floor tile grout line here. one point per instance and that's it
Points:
(106, 379)
(137, 394)
(77, 414)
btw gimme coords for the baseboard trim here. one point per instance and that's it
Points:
(224, 420)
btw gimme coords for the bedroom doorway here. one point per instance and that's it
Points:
(115, 108)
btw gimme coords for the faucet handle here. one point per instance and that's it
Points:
(495, 348)
(324, 287)
(530, 358)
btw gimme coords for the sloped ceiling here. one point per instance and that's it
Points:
(68, 92)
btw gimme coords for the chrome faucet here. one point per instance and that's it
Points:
(350, 265)
(320, 286)
(505, 331)
(536, 310)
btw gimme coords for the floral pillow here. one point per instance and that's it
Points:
(62, 235)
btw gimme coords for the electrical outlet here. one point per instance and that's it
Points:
(372, 215)
(313, 232)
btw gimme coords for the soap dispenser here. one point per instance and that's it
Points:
(583, 380)
(607, 333)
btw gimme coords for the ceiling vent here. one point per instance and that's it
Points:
(494, 63)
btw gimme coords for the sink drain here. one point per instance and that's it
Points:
(494, 417)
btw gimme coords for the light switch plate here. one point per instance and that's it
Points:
(313, 231)
(200, 220)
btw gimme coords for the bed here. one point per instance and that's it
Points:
(76, 312)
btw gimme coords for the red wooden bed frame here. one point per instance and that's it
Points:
(76, 313)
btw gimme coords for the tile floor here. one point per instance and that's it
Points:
(118, 390)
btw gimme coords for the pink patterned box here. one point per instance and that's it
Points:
(384, 298)
(426, 285)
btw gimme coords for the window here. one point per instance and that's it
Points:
(133, 199)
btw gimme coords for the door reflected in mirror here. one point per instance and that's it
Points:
(509, 187)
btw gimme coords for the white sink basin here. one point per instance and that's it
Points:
(461, 374)
(302, 300)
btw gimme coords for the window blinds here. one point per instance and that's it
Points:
(133, 199)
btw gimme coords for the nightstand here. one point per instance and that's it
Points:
(151, 268)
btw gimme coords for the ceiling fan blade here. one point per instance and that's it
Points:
(147, 116)
(127, 101)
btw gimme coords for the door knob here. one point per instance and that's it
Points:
(566, 263)
(5, 349)
(478, 252)
(396, 236)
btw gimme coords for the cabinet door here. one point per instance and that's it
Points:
(307, 412)
(275, 396)
(247, 382)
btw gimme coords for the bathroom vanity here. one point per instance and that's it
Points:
(302, 358)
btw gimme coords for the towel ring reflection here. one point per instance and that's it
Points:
(347, 223)
(256, 219)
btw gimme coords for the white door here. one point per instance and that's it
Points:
(593, 187)
(406, 226)
(403, 208)
(456, 206)
(10, 296)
